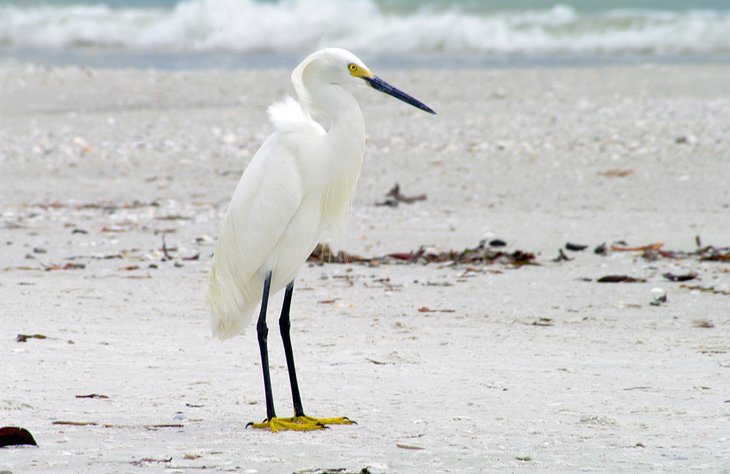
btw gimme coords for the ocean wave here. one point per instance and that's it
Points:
(302, 25)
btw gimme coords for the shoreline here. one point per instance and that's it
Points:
(226, 61)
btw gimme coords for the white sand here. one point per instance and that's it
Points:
(614, 384)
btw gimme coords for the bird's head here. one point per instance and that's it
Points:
(341, 67)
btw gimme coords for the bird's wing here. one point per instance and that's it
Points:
(267, 197)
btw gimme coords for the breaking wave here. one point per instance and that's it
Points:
(362, 25)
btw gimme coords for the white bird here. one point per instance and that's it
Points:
(300, 182)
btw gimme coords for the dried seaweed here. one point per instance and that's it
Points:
(705, 254)
(332, 470)
(323, 254)
(107, 206)
(620, 279)
(425, 309)
(25, 337)
(65, 266)
(655, 251)
(641, 248)
(706, 289)
(685, 277)
(479, 255)
(616, 173)
(142, 461)
(713, 254)
(545, 322)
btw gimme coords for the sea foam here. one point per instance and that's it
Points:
(302, 25)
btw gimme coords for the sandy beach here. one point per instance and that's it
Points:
(464, 367)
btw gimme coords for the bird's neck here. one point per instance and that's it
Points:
(336, 110)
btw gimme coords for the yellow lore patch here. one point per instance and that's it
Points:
(358, 71)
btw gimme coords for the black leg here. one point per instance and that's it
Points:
(263, 332)
(284, 326)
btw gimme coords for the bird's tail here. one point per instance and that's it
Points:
(230, 311)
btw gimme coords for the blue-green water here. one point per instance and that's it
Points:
(403, 33)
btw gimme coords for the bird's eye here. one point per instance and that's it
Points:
(352, 67)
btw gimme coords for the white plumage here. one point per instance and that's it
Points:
(299, 182)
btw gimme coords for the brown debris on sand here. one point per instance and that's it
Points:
(14, 436)
(395, 197)
(479, 255)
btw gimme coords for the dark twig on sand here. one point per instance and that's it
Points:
(395, 197)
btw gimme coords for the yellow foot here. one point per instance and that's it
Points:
(299, 423)
(342, 420)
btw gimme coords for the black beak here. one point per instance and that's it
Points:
(379, 84)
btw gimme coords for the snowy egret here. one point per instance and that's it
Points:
(298, 183)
